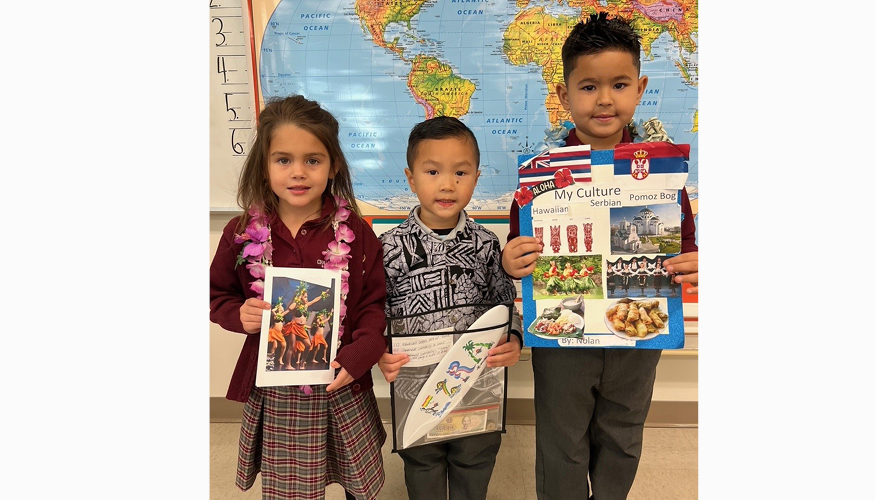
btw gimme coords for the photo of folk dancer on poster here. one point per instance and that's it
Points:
(639, 277)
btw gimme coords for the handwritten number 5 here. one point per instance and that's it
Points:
(229, 108)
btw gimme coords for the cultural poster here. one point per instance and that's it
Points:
(608, 220)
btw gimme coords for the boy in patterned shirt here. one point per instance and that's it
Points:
(436, 260)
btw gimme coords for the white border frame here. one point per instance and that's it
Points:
(320, 277)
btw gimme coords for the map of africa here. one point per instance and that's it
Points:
(381, 66)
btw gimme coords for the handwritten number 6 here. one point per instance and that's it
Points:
(236, 146)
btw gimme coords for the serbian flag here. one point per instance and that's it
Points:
(638, 162)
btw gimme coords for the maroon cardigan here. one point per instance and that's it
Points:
(362, 343)
(688, 223)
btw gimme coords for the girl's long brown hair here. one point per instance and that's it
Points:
(253, 187)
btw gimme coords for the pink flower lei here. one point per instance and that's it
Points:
(258, 250)
(337, 255)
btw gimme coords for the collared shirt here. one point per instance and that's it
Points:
(427, 271)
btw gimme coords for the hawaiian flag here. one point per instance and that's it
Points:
(557, 165)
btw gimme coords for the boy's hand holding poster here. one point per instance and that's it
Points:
(608, 220)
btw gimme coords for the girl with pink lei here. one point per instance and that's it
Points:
(300, 211)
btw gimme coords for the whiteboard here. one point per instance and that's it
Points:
(231, 101)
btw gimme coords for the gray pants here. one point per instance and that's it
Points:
(465, 464)
(590, 406)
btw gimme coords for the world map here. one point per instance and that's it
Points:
(382, 66)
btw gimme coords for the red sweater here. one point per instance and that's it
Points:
(688, 224)
(362, 343)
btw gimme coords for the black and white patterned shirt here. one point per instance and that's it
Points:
(426, 271)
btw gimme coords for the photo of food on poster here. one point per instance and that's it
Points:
(607, 220)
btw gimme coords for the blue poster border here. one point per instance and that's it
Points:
(675, 338)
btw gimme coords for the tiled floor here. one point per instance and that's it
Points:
(668, 469)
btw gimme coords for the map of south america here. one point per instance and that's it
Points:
(440, 92)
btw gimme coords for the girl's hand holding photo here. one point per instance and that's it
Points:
(342, 379)
(250, 314)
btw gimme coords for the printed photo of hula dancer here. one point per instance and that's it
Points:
(299, 326)
(568, 275)
(639, 277)
(649, 229)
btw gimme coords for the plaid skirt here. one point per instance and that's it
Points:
(302, 443)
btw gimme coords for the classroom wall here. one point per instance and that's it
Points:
(676, 376)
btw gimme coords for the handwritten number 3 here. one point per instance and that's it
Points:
(221, 26)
